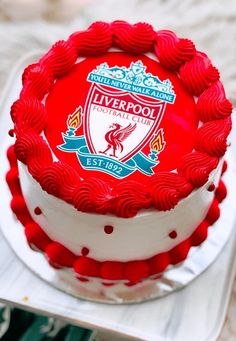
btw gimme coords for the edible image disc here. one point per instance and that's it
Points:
(119, 116)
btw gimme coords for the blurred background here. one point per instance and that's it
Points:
(34, 24)
(27, 25)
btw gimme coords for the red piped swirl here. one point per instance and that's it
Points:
(159, 263)
(36, 237)
(137, 38)
(30, 145)
(131, 196)
(36, 83)
(93, 195)
(173, 51)
(12, 156)
(112, 270)
(55, 250)
(196, 167)
(198, 73)
(12, 179)
(221, 191)
(59, 180)
(180, 252)
(60, 58)
(212, 104)
(200, 234)
(135, 271)
(87, 267)
(95, 40)
(27, 71)
(18, 204)
(211, 137)
(167, 189)
(213, 213)
(28, 113)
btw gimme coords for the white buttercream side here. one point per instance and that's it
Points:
(135, 238)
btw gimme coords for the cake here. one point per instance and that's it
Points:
(115, 172)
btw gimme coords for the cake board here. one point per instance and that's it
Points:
(10, 95)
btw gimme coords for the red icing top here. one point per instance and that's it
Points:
(107, 106)
(118, 129)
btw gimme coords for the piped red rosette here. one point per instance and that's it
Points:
(173, 51)
(212, 104)
(211, 137)
(161, 191)
(198, 73)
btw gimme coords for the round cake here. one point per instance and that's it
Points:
(115, 172)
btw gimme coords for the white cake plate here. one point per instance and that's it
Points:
(170, 318)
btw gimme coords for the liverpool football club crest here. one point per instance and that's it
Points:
(121, 121)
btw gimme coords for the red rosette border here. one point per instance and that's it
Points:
(129, 273)
(179, 55)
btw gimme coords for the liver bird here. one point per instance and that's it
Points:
(116, 136)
